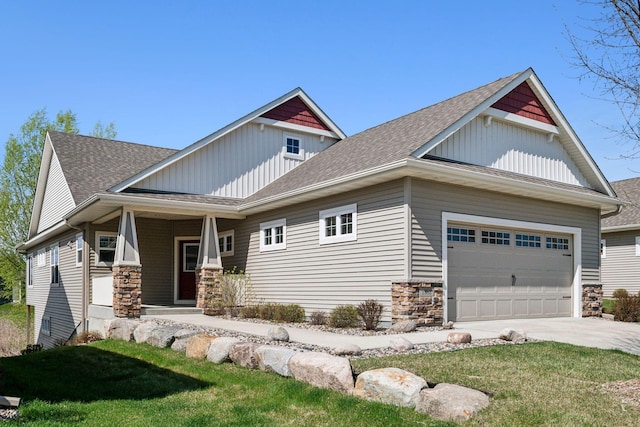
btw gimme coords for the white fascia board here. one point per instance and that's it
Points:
(522, 121)
(224, 131)
(295, 127)
(616, 228)
(44, 235)
(438, 139)
(43, 174)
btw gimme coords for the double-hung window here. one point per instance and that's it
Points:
(30, 271)
(79, 241)
(41, 255)
(105, 248)
(55, 272)
(225, 243)
(273, 235)
(45, 325)
(338, 224)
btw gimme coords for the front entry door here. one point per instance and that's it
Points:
(187, 270)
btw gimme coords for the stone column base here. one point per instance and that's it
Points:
(417, 301)
(209, 294)
(127, 290)
(592, 300)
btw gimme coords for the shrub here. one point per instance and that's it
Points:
(626, 308)
(268, 311)
(344, 316)
(318, 318)
(86, 337)
(291, 313)
(12, 338)
(31, 348)
(250, 311)
(236, 289)
(370, 311)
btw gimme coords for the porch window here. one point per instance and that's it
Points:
(273, 235)
(105, 248)
(338, 224)
(55, 272)
(79, 249)
(225, 243)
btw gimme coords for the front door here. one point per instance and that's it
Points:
(188, 258)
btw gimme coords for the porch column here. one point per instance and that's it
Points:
(127, 270)
(209, 269)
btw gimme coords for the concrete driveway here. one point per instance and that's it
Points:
(589, 332)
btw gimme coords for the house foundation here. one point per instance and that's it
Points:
(592, 300)
(418, 301)
(127, 290)
(209, 297)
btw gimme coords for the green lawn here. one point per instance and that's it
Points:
(116, 383)
(17, 313)
(607, 306)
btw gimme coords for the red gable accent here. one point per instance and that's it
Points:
(295, 111)
(523, 102)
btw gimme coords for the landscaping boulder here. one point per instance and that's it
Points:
(274, 359)
(390, 385)
(459, 337)
(219, 349)
(198, 345)
(243, 354)
(278, 333)
(162, 336)
(450, 402)
(347, 349)
(181, 338)
(323, 370)
(141, 333)
(122, 329)
(402, 327)
(516, 336)
(448, 325)
(400, 343)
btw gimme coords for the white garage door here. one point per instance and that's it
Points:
(506, 273)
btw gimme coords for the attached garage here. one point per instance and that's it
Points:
(502, 269)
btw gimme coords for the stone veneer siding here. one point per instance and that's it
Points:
(592, 300)
(127, 290)
(417, 301)
(209, 297)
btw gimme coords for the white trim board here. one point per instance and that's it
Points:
(576, 233)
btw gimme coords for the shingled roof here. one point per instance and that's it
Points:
(629, 191)
(383, 144)
(92, 165)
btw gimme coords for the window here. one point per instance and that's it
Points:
(528, 241)
(105, 248)
(496, 238)
(45, 326)
(42, 261)
(190, 257)
(603, 248)
(225, 243)
(273, 235)
(30, 271)
(293, 147)
(55, 272)
(338, 224)
(79, 241)
(457, 234)
(559, 243)
(637, 245)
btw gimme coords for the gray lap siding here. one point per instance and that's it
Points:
(621, 265)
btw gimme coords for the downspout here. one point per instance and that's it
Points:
(612, 213)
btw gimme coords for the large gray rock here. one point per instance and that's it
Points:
(198, 345)
(162, 336)
(347, 349)
(400, 343)
(323, 370)
(459, 337)
(122, 329)
(402, 327)
(181, 338)
(274, 359)
(514, 335)
(450, 402)
(219, 349)
(243, 354)
(278, 333)
(141, 333)
(390, 385)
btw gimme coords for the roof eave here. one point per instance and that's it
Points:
(617, 228)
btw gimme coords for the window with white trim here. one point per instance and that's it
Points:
(603, 248)
(559, 243)
(79, 242)
(338, 224)
(637, 245)
(42, 260)
(30, 271)
(225, 243)
(55, 271)
(45, 326)
(105, 247)
(273, 235)
(292, 148)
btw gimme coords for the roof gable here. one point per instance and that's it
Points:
(629, 218)
(295, 111)
(523, 102)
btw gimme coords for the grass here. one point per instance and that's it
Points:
(13, 332)
(607, 306)
(17, 313)
(118, 383)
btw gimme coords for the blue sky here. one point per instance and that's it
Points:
(170, 72)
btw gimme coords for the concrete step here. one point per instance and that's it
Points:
(159, 311)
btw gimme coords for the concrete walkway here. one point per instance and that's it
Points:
(588, 332)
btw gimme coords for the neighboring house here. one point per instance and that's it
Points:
(483, 206)
(620, 245)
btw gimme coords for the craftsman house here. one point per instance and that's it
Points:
(483, 206)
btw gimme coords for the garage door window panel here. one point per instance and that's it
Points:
(496, 238)
(459, 234)
(559, 243)
(528, 241)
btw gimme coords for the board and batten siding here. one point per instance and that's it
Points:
(429, 199)
(57, 198)
(321, 277)
(621, 265)
(511, 148)
(63, 303)
(237, 165)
